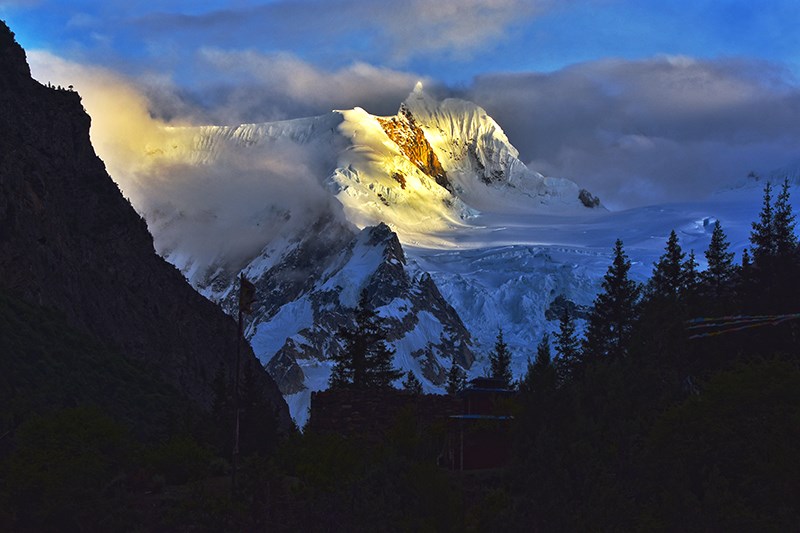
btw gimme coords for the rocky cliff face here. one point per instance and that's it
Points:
(409, 137)
(312, 290)
(71, 241)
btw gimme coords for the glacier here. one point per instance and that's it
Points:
(432, 213)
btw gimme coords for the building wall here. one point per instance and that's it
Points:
(372, 412)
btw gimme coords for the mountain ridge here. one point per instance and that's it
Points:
(69, 240)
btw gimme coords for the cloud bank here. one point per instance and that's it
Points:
(639, 132)
(634, 132)
(228, 208)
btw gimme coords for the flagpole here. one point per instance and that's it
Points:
(236, 405)
(247, 295)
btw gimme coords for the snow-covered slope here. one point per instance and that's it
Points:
(429, 211)
(312, 289)
(423, 172)
(508, 270)
(423, 175)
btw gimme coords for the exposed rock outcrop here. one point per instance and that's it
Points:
(557, 307)
(309, 294)
(409, 137)
(588, 199)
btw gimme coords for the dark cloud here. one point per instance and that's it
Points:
(637, 132)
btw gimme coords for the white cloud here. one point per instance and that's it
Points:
(221, 208)
(457, 26)
(284, 82)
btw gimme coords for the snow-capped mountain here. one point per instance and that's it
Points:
(430, 211)
(418, 177)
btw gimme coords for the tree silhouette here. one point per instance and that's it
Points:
(412, 384)
(456, 378)
(500, 360)
(365, 360)
(611, 318)
(568, 350)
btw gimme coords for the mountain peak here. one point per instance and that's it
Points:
(13, 62)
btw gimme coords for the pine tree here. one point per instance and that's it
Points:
(783, 224)
(720, 270)
(746, 261)
(540, 376)
(500, 360)
(412, 384)
(772, 285)
(611, 318)
(527, 385)
(365, 360)
(668, 271)
(543, 357)
(456, 378)
(762, 237)
(568, 349)
(691, 277)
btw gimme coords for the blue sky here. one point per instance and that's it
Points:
(454, 43)
(639, 99)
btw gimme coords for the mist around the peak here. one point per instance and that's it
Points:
(229, 207)
(634, 133)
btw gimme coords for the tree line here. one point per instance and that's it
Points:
(679, 407)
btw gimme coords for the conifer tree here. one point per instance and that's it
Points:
(785, 277)
(456, 378)
(543, 356)
(691, 277)
(667, 278)
(365, 360)
(611, 318)
(527, 384)
(762, 237)
(720, 270)
(783, 224)
(772, 282)
(540, 375)
(568, 349)
(500, 360)
(746, 261)
(412, 384)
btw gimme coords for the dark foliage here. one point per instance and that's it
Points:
(682, 434)
(365, 360)
(412, 384)
(569, 359)
(456, 378)
(500, 360)
(610, 322)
